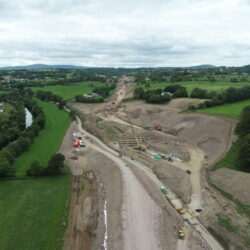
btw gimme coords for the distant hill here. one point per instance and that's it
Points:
(41, 66)
(44, 66)
(203, 66)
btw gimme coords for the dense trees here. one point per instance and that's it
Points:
(80, 98)
(177, 90)
(103, 92)
(6, 169)
(198, 93)
(243, 159)
(226, 96)
(243, 129)
(21, 138)
(159, 95)
(54, 167)
(49, 96)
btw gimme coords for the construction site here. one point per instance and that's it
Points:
(142, 177)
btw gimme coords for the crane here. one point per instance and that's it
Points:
(139, 145)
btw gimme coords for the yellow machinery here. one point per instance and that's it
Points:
(181, 232)
(181, 210)
(139, 145)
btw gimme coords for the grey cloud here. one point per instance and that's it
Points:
(124, 33)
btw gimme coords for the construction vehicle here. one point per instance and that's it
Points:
(181, 233)
(163, 190)
(139, 145)
(157, 127)
(149, 128)
(181, 210)
(76, 143)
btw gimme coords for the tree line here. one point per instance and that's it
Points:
(226, 96)
(160, 95)
(243, 150)
(103, 93)
(49, 96)
(25, 137)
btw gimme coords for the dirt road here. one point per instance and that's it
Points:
(139, 211)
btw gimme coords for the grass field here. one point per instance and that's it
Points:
(231, 110)
(190, 85)
(48, 140)
(32, 210)
(70, 91)
(229, 160)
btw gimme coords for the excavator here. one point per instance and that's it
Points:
(139, 145)
(181, 232)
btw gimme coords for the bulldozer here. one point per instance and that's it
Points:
(181, 233)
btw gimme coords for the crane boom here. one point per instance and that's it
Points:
(139, 145)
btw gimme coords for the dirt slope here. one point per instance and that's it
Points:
(233, 182)
(206, 132)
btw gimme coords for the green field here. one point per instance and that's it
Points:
(70, 91)
(190, 85)
(229, 160)
(48, 140)
(32, 210)
(231, 110)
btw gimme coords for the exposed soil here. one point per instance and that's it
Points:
(208, 133)
(198, 140)
(233, 182)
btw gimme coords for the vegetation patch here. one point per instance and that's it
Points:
(230, 159)
(220, 85)
(223, 241)
(32, 212)
(230, 110)
(226, 222)
(70, 91)
(48, 140)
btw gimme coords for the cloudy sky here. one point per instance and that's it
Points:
(127, 33)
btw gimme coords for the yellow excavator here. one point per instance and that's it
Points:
(181, 232)
(181, 210)
(139, 145)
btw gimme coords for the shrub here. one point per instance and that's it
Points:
(5, 168)
(55, 165)
(36, 169)
(198, 93)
